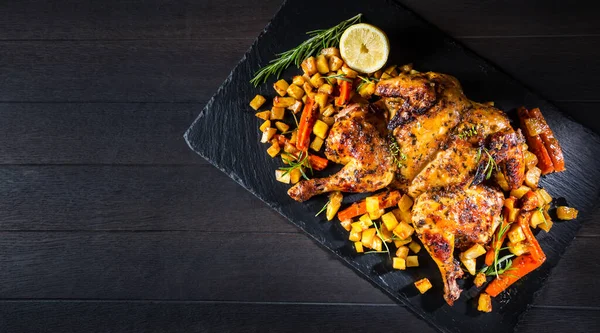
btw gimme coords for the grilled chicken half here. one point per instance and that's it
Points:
(356, 141)
(450, 145)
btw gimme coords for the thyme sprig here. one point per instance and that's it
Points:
(491, 163)
(397, 155)
(342, 77)
(387, 249)
(318, 39)
(365, 80)
(301, 163)
(469, 132)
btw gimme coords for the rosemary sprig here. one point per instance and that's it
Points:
(387, 249)
(295, 119)
(503, 264)
(397, 155)
(323, 38)
(342, 77)
(491, 163)
(301, 163)
(472, 131)
(324, 208)
(364, 81)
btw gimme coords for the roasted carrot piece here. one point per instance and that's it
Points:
(534, 247)
(550, 142)
(522, 266)
(536, 145)
(497, 243)
(345, 90)
(309, 116)
(317, 162)
(386, 200)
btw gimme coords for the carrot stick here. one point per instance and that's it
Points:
(497, 243)
(550, 142)
(386, 200)
(534, 247)
(521, 266)
(305, 126)
(345, 90)
(536, 145)
(317, 162)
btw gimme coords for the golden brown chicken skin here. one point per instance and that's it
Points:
(355, 142)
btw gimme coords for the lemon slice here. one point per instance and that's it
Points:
(364, 48)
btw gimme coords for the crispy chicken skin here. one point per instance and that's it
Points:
(458, 217)
(355, 142)
(447, 141)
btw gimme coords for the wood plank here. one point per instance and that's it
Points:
(191, 71)
(96, 133)
(130, 198)
(134, 19)
(284, 267)
(121, 71)
(156, 316)
(476, 18)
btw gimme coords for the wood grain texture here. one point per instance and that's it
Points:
(159, 317)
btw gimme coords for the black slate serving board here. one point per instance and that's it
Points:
(226, 134)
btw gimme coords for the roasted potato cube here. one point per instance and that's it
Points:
(264, 115)
(295, 91)
(321, 99)
(548, 224)
(566, 213)
(316, 144)
(403, 230)
(335, 63)
(384, 234)
(317, 80)
(295, 176)
(294, 137)
(281, 87)
(402, 252)
(401, 242)
(532, 177)
(326, 88)
(268, 134)
(529, 201)
(346, 224)
(510, 202)
(282, 176)
(517, 249)
(515, 233)
(358, 247)
(474, 251)
(309, 66)
(501, 180)
(484, 304)
(296, 107)
(308, 88)
(377, 244)
(320, 129)
(335, 202)
(322, 64)
(543, 194)
(389, 221)
(479, 280)
(530, 159)
(328, 120)
(367, 89)
(367, 237)
(414, 246)
(257, 102)
(283, 102)
(283, 127)
(470, 264)
(298, 80)
(519, 192)
(403, 216)
(277, 113)
(274, 149)
(423, 285)
(329, 110)
(355, 235)
(537, 218)
(399, 263)
(405, 203)
(349, 72)
(366, 220)
(372, 204)
(330, 51)
(512, 214)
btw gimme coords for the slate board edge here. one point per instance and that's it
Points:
(415, 310)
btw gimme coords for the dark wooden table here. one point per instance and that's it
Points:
(109, 223)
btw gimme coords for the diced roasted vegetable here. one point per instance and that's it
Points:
(385, 234)
(277, 113)
(309, 65)
(519, 192)
(346, 224)
(536, 145)
(484, 304)
(403, 230)
(298, 80)
(548, 223)
(358, 246)
(321, 99)
(268, 134)
(377, 244)
(282, 176)
(280, 87)
(294, 138)
(479, 280)
(330, 51)
(317, 80)
(320, 129)
(474, 251)
(316, 144)
(566, 213)
(264, 115)
(322, 64)
(530, 159)
(257, 102)
(389, 220)
(470, 264)
(529, 200)
(399, 263)
(515, 234)
(296, 107)
(550, 142)
(401, 242)
(283, 102)
(501, 181)
(363, 223)
(349, 72)
(517, 249)
(355, 235)
(423, 285)
(328, 120)
(412, 261)
(537, 218)
(405, 203)
(335, 63)
(532, 177)
(328, 111)
(414, 246)
(372, 204)
(402, 252)
(386, 200)
(335, 202)
(295, 176)
(367, 237)
(326, 89)
(283, 127)
(295, 91)
(367, 90)
(274, 149)
(542, 193)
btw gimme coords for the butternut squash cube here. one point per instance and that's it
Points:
(412, 261)
(295, 91)
(484, 304)
(399, 263)
(281, 87)
(423, 285)
(358, 247)
(282, 176)
(257, 102)
(403, 230)
(322, 64)
(389, 220)
(402, 252)
(264, 115)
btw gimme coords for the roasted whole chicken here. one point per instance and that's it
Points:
(449, 148)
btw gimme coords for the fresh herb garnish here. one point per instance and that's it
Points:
(491, 163)
(365, 80)
(397, 155)
(323, 38)
(301, 163)
(469, 132)
(342, 77)
(324, 208)
(387, 249)
(503, 264)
